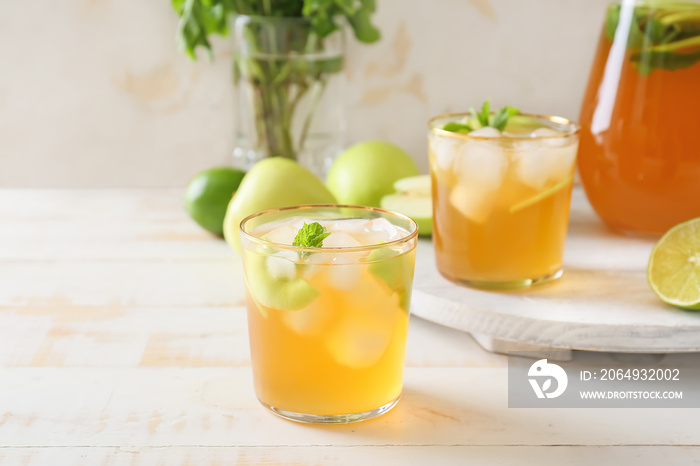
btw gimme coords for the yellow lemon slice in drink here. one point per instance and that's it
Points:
(674, 266)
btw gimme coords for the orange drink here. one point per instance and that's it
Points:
(328, 324)
(501, 200)
(640, 145)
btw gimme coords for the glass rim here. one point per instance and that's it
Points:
(574, 128)
(411, 234)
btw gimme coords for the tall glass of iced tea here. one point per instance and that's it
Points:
(640, 139)
(501, 199)
(328, 296)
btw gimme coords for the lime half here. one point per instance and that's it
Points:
(674, 266)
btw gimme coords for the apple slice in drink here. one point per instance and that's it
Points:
(270, 283)
(394, 269)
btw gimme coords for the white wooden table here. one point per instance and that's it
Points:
(123, 342)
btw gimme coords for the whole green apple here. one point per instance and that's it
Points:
(272, 183)
(366, 172)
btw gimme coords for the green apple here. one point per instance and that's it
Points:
(366, 172)
(272, 183)
(412, 198)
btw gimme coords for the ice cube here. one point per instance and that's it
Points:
(544, 133)
(481, 162)
(533, 167)
(282, 264)
(366, 326)
(553, 138)
(297, 222)
(367, 232)
(311, 320)
(284, 234)
(340, 239)
(357, 345)
(345, 274)
(317, 260)
(444, 151)
(563, 160)
(378, 230)
(486, 132)
(473, 200)
(349, 225)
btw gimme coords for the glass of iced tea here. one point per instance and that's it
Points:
(501, 199)
(640, 146)
(328, 297)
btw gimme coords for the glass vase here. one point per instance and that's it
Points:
(288, 92)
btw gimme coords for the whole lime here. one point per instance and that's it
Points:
(208, 195)
(366, 172)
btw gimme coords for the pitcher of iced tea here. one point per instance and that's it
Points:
(639, 155)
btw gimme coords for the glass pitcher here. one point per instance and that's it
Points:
(639, 155)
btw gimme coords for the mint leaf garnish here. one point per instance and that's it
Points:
(483, 116)
(498, 120)
(311, 235)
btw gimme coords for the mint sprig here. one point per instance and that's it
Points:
(311, 235)
(483, 116)
(200, 19)
(500, 118)
(661, 37)
(480, 119)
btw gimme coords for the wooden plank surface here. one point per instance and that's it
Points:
(123, 340)
(188, 406)
(349, 455)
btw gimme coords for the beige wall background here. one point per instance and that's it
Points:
(93, 93)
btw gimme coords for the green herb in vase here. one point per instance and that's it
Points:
(287, 53)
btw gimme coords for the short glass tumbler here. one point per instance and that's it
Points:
(328, 325)
(501, 202)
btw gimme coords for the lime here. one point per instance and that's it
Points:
(674, 266)
(208, 194)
